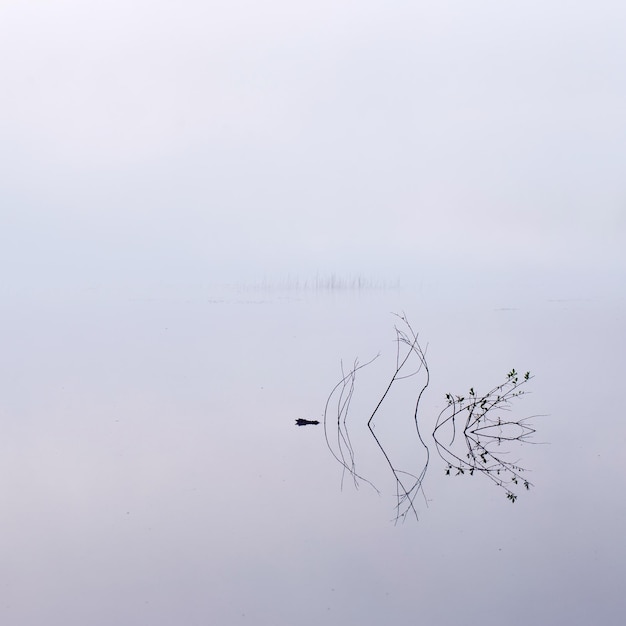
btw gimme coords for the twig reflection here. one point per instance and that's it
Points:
(478, 418)
(407, 484)
(484, 432)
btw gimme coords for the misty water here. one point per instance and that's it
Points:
(152, 471)
(210, 212)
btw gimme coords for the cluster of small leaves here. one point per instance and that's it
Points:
(484, 430)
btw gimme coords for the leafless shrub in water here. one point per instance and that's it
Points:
(408, 351)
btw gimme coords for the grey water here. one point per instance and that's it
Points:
(151, 470)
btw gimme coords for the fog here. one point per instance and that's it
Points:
(155, 141)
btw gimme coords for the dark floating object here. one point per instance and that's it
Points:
(303, 422)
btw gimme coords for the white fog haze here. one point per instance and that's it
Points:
(206, 138)
(207, 209)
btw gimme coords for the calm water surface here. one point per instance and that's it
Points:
(152, 472)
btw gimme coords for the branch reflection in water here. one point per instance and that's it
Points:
(484, 433)
(479, 418)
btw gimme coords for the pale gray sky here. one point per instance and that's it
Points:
(161, 140)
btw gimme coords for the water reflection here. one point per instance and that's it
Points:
(471, 435)
(484, 434)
